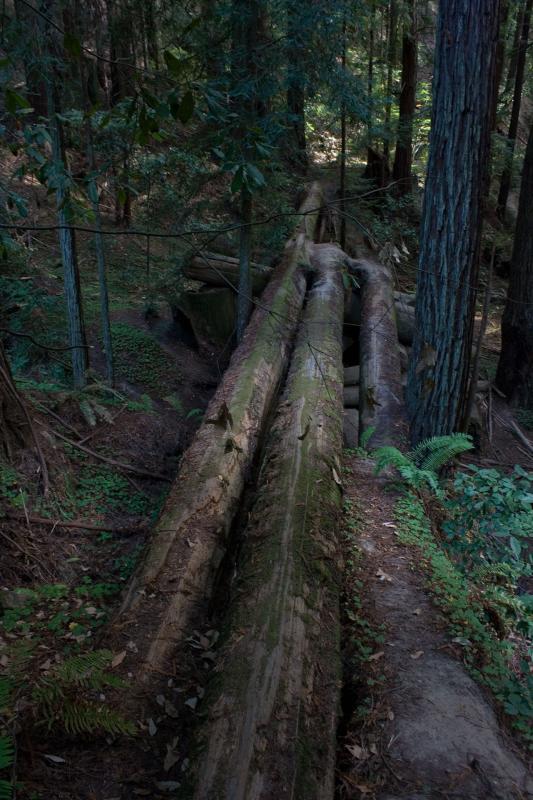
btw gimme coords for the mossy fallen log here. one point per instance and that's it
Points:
(351, 396)
(272, 718)
(223, 271)
(380, 387)
(405, 314)
(172, 587)
(351, 376)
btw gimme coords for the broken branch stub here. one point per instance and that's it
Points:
(272, 720)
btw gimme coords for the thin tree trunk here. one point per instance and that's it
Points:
(403, 157)
(271, 730)
(505, 184)
(67, 242)
(370, 81)
(295, 85)
(244, 300)
(467, 36)
(173, 586)
(100, 259)
(14, 429)
(513, 57)
(35, 85)
(391, 63)
(342, 208)
(515, 367)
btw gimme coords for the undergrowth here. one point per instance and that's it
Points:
(140, 359)
(496, 662)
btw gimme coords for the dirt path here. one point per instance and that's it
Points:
(441, 736)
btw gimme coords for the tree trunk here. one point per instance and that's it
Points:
(271, 728)
(223, 271)
(14, 428)
(515, 47)
(467, 36)
(174, 584)
(505, 184)
(67, 242)
(515, 368)
(244, 299)
(296, 49)
(342, 181)
(403, 157)
(35, 85)
(370, 80)
(391, 63)
(380, 388)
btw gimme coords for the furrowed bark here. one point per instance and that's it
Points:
(271, 727)
(223, 271)
(188, 543)
(380, 388)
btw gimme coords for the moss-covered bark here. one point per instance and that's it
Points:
(172, 588)
(273, 716)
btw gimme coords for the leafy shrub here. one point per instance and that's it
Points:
(490, 515)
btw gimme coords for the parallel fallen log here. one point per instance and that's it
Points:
(172, 587)
(351, 376)
(405, 315)
(380, 387)
(351, 397)
(223, 271)
(271, 729)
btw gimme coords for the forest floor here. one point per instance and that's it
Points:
(429, 730)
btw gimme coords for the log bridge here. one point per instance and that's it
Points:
(270, 714)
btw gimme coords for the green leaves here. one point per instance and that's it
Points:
(247, 176)
(15, 102)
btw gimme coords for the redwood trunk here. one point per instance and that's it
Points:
(515, 368)
(403, 157)
(271, 729)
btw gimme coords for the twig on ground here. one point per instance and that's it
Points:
(119, 464)
(73, 523)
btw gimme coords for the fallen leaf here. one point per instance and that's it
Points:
(375, 656)
(417, 654)
(389, 525)
(152, 727)
(390, 715)
(55, 759)
(417, 611)
(336, 477)
(168, 786)
(192, 702)
(357, 752)
(383, 576)
(118, 659)
(172, 756)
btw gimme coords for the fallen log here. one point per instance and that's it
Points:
(173, 585)
(405, 315)
(380, 387)
(271, 726)
(351, 397)
(351, 376)
(222, 271)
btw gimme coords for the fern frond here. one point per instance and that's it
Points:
(7, 751)
(434, 453)
(85, 670)
(6, 790)
(78, 718)
(366, 436)
(390, 457)
(6, 691)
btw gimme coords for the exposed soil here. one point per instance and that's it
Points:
(432, 732)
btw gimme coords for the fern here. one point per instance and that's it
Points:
(419, 468)
(7, 755)
(365, 437)
(434, 453)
